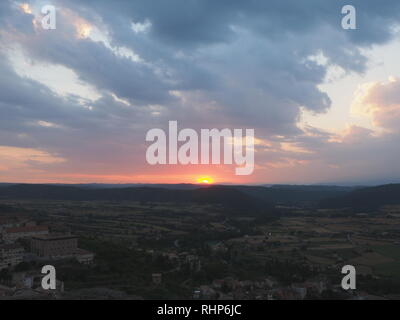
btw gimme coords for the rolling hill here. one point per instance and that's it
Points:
(366, 198)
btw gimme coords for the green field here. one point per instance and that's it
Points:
(391, 269)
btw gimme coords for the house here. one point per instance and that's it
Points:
(84, 256)
(157, 278)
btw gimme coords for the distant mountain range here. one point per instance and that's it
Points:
(295, 194)
(234, 197)
(179, 186)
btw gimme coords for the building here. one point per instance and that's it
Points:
(193, 262)
(54, 245)
(10, 255)
(6, 223)
(157, 278)
(31, 280)
(83, 256)
(60, 246)
(13, 234)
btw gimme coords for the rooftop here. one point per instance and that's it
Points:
(82, 252)
(54, 236)
(27, 229)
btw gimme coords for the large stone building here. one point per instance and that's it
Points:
(59, 246)
(10, 255)
(54, 245)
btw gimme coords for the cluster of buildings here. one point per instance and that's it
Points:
(181, 261)
(267, 289)
(27, 285)
(21, 237)
(10, 255)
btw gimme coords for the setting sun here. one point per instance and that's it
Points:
(205, 180)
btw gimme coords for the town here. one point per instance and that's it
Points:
(166, 250)
(24, 242)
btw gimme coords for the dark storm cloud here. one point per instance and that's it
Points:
(200, 22)
(96, 64)
(248, 57)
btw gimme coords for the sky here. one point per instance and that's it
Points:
(76, 102)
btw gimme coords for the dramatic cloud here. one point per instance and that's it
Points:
(205, 63)
(381, 102)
